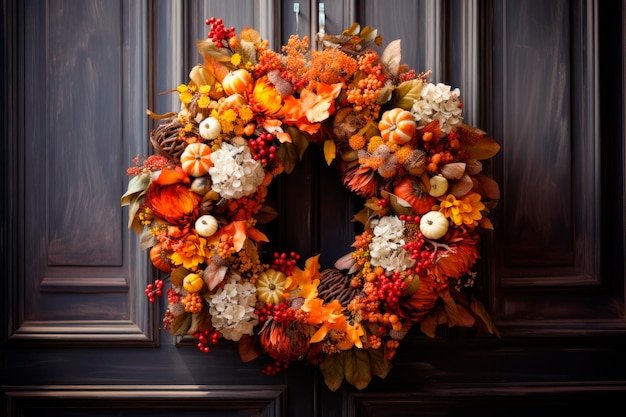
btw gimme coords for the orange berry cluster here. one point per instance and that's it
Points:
(193, 302)
(225, 246)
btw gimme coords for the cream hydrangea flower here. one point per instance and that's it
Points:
(235, 173)
(438, 102)
(386, 248)
(232, 308)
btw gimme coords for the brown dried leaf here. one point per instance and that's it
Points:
(178, 275)
(379, 364)
(181, 324)
(248, 348)
(484, 148)
(486, 186)
(333, 369)
(428, 326)
(479, 310)
(357, 367)
(391, 56)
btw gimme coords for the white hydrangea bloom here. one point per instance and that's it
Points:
(232, 308)
(235, 173)
(386, 248)
(438, 102)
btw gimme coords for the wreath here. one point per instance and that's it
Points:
(248, 114)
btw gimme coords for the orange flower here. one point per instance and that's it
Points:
(463, 253)
(330, 317)
(359, 179)
(303, 283)
(174, 203)
(191, 252)
(266, 99)
(240, 231)
(312, 107)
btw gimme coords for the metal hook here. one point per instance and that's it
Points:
(296, 10)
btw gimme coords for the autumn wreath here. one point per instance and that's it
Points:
(247, 114)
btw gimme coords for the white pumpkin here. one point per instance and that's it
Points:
(438, 185)
(434, 225)
(210, 128)
(206, 225)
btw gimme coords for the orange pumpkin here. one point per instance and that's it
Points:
(237, 82)
(413, 191)
(196, 159)
(158, 259)
(397, 126)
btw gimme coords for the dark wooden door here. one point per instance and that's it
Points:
(546, 79)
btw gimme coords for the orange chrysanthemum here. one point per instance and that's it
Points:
(174, 203)
(266, 99)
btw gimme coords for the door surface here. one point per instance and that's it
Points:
(80, 338)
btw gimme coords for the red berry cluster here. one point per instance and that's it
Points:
(284, 313)
(263, 148)
(383, 204)
(275, 367)
(285, 263)
(206, 339)
(264, 313)
(155, 289)
(218, 32)
(390, 288)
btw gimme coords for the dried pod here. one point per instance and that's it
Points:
(453, 171)
(416, 162)
(461, 186)
(473, 167)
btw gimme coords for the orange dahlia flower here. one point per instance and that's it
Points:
(174, 203)
(463, 243)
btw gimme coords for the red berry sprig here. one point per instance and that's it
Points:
(264, 313)
(154, 290)
(390, 288)
(218, 32)
(275, 367)
(284, 313)
(263, 148)
(383, 204)
(285, 263)
(206, 339)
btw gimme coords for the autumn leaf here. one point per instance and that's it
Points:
(484, 148)
(248, 349)
(391, 56)
(405, 94)
(330, 150)
(333, 369)
(358, 369)
(379, 364)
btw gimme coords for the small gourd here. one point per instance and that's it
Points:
(270, 286)
(434, 225)
(196, 159)
(193, 282)
(210, 128)
(397, 126)
(237, 82)
(157, 257)
(206, 225)
(412, 190)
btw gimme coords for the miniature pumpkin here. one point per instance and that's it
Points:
(193, 282)
(210, 128)
(206, 225)
(413, 191)
(397, 126)
(434, 225)
(196, 159)
(158, 259)
(270, 286)
(237, 82)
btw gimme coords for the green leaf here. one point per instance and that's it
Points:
(134, 221)
(299, 139)
(405, 94)
(358, 369)
(137, 185)
(333, 369)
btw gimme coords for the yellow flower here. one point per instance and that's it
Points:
(235, 59)
(204, 89)
(191, 253)
(204, 101)
(464, 211)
